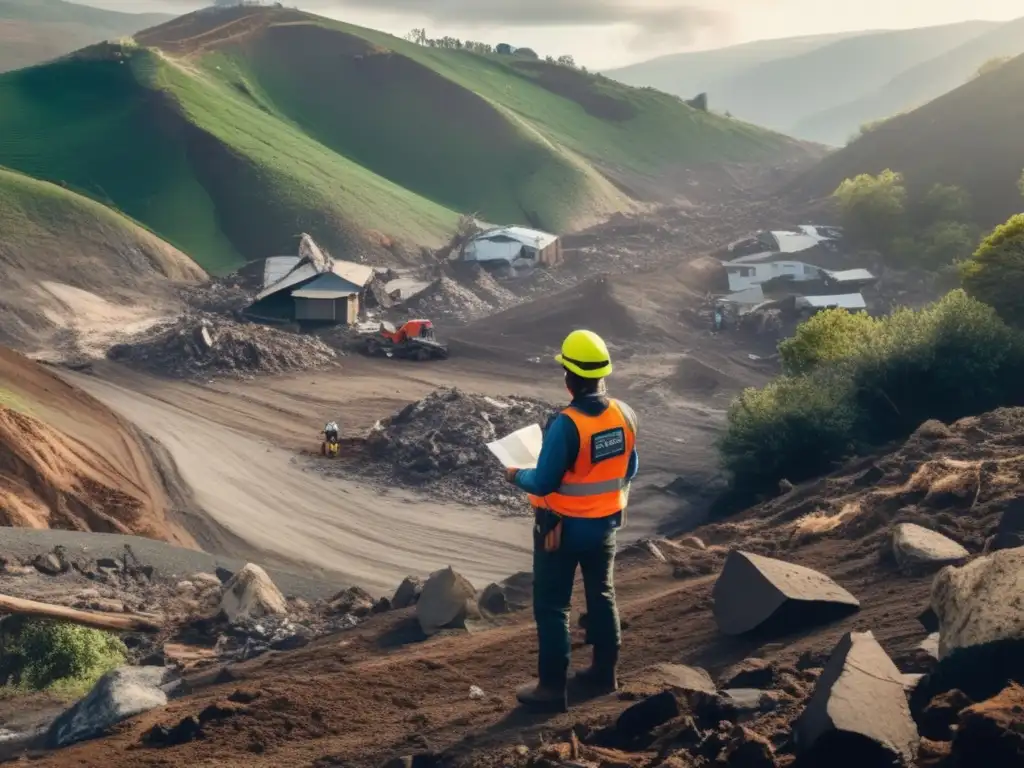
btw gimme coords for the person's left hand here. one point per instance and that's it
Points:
(510, 474)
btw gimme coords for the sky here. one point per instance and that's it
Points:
(602, 34)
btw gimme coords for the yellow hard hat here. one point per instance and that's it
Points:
(585, 354)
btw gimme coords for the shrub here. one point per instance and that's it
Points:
(873, 208)
(856, 382)
(995, 273)
(45, 654)
(946, 242)
(943, 203)
(992, 65)
(826, 337)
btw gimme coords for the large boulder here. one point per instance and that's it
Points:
(975, 604)
(448, 600)
(676, 677)
(916, 548)
(408, 593)
(119, 694)
(858, 713)
(250, 593)
(760, 593)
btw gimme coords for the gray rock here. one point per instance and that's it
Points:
(760, 593)
(860, 693)
(677, 677)
(981, 603)
(118, 695)
(493, 600)
(448, 600)
(250, 593)
(408, 593)
(916, 548)
(49, 564)
(930, 645)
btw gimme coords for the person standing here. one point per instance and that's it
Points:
(579, 493)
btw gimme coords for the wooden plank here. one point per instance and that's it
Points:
(110, 621)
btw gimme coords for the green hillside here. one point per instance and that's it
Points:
(229, 132)
(970, 137)
(33, 31)
(52, 235)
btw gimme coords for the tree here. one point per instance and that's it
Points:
(991, 66)
(944, 203)
(946, 242)
(873, 207)
(995, 273)
(418, 36)
(828, 336)
(567, 61)
(504, 49)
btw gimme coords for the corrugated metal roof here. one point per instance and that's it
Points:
(846, 301)
(277, 267)
(322, 293)
(532, 237)
(357, 274)
(296, 276)
(849, 275)
(794, 242)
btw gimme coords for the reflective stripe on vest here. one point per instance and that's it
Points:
(592, 489)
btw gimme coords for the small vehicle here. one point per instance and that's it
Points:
(414, 340)
(331, 446)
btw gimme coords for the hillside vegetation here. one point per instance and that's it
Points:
(970, 138)
(33, 31)
(228, 132)
(823, 89)
(51, 236)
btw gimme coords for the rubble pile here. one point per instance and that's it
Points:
(198, 345)
(447, 298)
(440, 442)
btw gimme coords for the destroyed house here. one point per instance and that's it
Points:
(747, 272)
(514, 246)
(311, 288)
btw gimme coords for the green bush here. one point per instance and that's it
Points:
(43, 655)
(873, 208)
(943, 203)
(828, 336)
(856, 382)
(995, 273)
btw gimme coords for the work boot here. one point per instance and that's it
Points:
(548, 694)
(600, 678)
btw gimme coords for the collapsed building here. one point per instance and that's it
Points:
(513, 247)
(311, 288)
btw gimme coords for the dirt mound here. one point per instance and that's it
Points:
(462, 293)
(205, 345)
(68, 462)
(438, 444)
(938, 143)
(695, 376)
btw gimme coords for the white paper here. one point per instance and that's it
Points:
(521, 449)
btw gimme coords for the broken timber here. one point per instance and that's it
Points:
(108, 621)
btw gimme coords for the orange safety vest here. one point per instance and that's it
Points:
(596, 484)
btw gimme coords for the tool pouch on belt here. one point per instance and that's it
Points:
(547, 530)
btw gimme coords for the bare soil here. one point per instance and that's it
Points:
(69, 462)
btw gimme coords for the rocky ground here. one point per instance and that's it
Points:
(438, 445)
(203, 345)
(888, 639)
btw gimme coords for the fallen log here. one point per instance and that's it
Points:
(94, 619)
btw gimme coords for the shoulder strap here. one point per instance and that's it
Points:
(627, 413)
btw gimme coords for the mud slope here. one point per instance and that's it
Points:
(970, 137)
(71, 264)
(68, 462)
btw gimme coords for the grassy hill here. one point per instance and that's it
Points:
(785, 88)
(917, 85)
(229, 132)
(33, 31)
(970, 137)
(52, 235)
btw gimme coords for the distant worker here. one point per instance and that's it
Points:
(579, 492)
(331, 431)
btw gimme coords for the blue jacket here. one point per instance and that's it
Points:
(558, 455)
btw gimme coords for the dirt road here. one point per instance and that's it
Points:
(259, 493)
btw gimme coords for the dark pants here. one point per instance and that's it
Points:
(553, 576)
